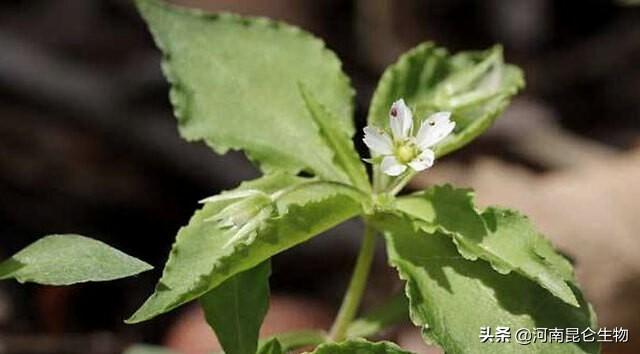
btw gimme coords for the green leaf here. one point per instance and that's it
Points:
(298, 339)
(272, 346)
(502, 237)
(474, 86)
(206, 253)
(359, 346)
(147, 349)
(346, 155)
(234, 84)
(452, 297)
(236, 308)
(69, 259)
(393, 311)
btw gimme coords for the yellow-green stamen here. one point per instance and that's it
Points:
(406, 152)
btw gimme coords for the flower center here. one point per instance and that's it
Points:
(405, 152)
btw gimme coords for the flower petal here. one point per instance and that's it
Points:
(423, 161)
(391, 166)
(400, 120)
(434, 129)
(377, 140)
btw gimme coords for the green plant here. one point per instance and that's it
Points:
(291, 111)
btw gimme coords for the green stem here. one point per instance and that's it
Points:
(401, 182)
(358, 282)
(353, 296)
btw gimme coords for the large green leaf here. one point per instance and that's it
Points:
(205, 253)
(236, 308)
(452, 297)
(235, 86)
(504, 238)
(69, 259)
(359, 346)
(474, 86)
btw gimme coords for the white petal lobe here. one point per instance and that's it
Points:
(391, 166)
(434, 129)
(400, 120)
(377, 140)
(423, 161)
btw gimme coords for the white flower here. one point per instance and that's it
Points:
(402, 150)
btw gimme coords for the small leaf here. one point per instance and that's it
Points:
(69, 259)
(236, 308)
(346, 155)
(474, 86)
(298, 339)
(504, 238)
(147, 349)
(452, 298)
(206, 253)
(392, 312)
(272, 346)
(234, 84)
(358, 346)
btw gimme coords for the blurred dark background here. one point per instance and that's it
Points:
(88, 144)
